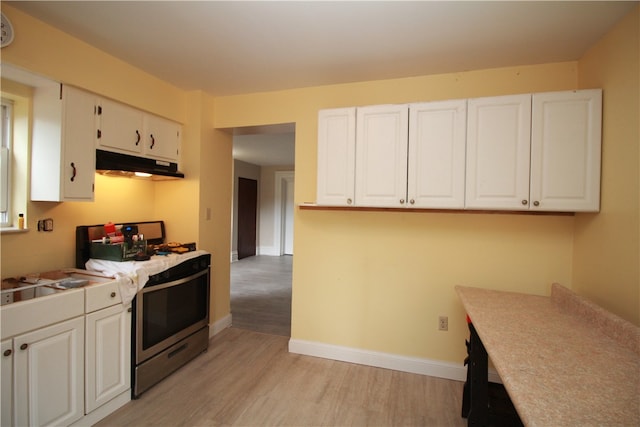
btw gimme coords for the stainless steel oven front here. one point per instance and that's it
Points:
(171, 321)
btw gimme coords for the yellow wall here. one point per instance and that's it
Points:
(607, 250)
(379, 280)
(370, 280)
(51, 53)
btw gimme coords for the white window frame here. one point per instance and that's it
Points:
(6, 147)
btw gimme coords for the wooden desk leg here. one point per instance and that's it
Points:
(479, 381)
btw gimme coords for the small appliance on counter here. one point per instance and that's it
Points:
(125, 242)
(119, 243)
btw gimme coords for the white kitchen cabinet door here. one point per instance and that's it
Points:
(336, 157)
(381, 155)
(436, 162)
(120, 128)
(161, 138)
(498, 152)
(108, 357)
(6, 374)
(565, 151)
(49, 374)
(78, 133)
(63, 144)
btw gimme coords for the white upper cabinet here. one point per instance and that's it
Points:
(537, 152)
(498, 147)
(336, 156)
(436, 160)
(161, 138)
(120, 127)
(381, 155)
(127, 130)
(565, 151)
(63, 144)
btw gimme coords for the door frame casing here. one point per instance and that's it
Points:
(281, 179)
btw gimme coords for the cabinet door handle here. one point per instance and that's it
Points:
(129, 310)
(73, 175)
(349, 201)
(113, 294)
(536, 203)
(402, 201)
(137, 137)
(412, 201)
(7, 352)
(153, 141)
(24, 346)
(524, 202)
(99, 133)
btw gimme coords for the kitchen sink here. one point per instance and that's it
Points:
(23, 293)
(49, 283)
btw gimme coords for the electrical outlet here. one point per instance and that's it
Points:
(45, 224)
(443, 323)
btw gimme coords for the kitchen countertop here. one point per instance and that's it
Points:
(562, 359)
(133, 275)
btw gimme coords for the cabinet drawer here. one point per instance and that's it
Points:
(101, 296)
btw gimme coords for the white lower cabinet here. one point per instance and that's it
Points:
(108, 356)
(49, 375)
(6, 373)
(66, 357)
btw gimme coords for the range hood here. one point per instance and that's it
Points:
(116, 164)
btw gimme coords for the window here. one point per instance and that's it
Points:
(6, 131)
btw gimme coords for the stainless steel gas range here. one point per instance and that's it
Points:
(170, 323)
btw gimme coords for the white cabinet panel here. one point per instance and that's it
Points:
(336, 156)
(120, 127)
(381, 155)
(63, 144)
(108, 357)
(161, 138)
(565, 151)
(6, 375)
(49, 382)
(498, 152)
(436, 160)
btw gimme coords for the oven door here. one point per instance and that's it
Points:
(169, 312)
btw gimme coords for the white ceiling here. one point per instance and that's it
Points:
(234, 47)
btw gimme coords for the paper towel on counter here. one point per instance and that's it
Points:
(133, 275)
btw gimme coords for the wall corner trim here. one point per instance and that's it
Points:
(433, 368)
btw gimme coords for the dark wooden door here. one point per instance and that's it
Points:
(247, 216)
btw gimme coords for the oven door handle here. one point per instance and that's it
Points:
(174, 282)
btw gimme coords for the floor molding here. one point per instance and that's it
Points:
(220, 325)
(414, 365)
(268, 250)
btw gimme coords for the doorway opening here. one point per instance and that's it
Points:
(262, 238)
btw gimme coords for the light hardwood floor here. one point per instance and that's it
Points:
(250, 379)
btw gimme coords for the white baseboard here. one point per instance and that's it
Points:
(234, 256)
(219, 325)
(433, 368)
(268, 250)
